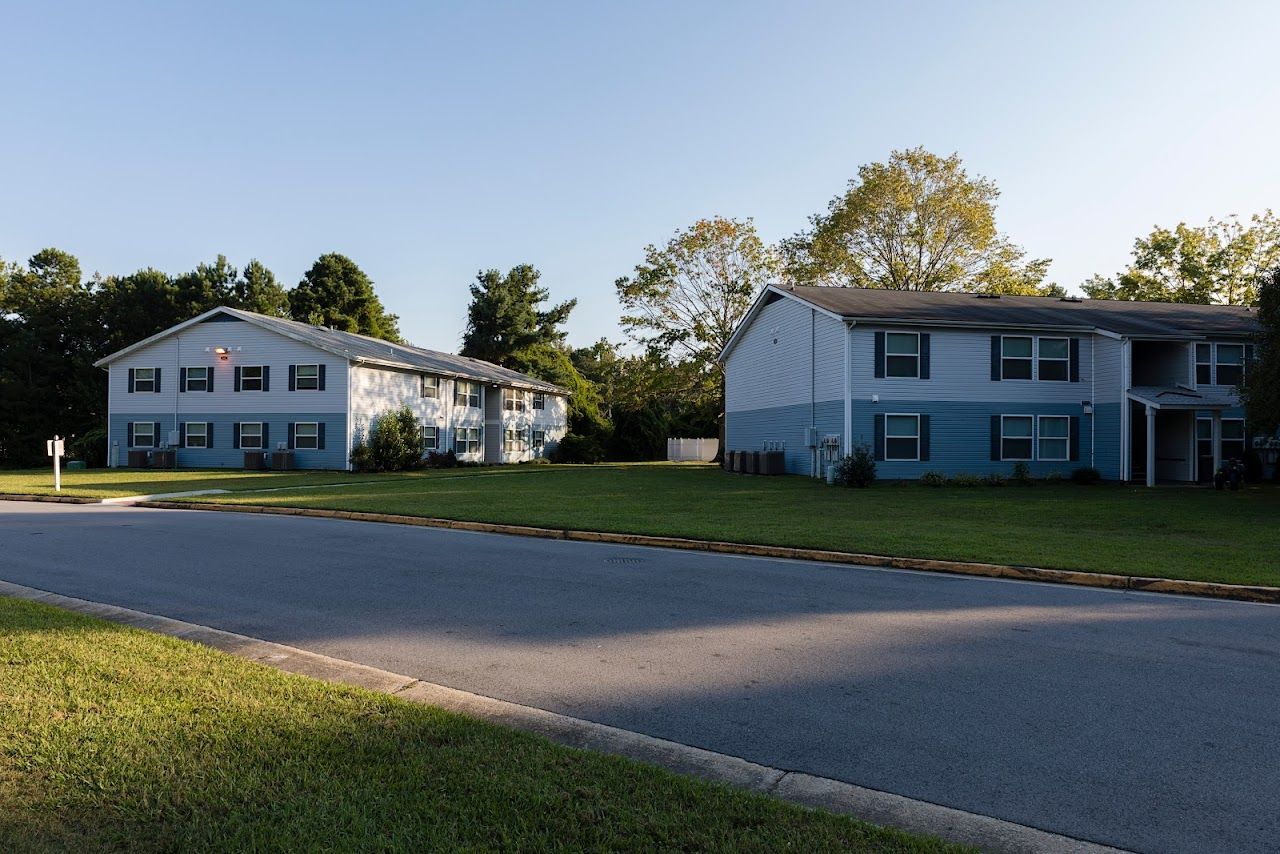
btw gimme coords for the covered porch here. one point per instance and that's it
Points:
(1164, 444)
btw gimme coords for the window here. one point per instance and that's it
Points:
(1015, 437)
(431, 387)
(251, 378)
(196, 434)
(539, 400)
(1204, 364)
(902, 354)
(1232, 436)
(514, 441)
(144, 434)
(1230, 364)
(1055, 359)
(1015, 358)
(144, 379)
(196, 379)
(1055, 433)
(512, 400)
(466, 394)
(306, 377)
(466, 440)
(306, 435)
(902, 437)
(430, 438)
(539, 440)
(251, 435)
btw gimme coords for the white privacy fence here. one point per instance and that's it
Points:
(692, 450)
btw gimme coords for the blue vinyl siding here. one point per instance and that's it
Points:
(752, 429)
(223, 454)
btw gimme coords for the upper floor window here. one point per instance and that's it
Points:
(195, 379)
(1230, 364)
(1016, 437)
(902, 354)
(431, 387)
(1015, 357)
(902, 437)
(512, 400)
(252, 378)
(306, 377)
(466, 393)
(144, 379)
(539, 400)
(1204, 364)
(1055, 359)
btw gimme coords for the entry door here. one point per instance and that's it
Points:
(1204, 449)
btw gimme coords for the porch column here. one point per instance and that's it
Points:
(1151, 446)
(1217, 440)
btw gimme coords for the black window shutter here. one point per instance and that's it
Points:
(208, 434)
(129, 438)
(1248, 358)
(131, 387)
(235, 429)
(879, 438)
(182, 379)
(320, 429)
(155, 437)
(1075, 360)
(879, 354)
(266, 429)
(208, 376)
(266, 378)
(1075, 438)
(291, 431)
(293, 380)
(924, 437)
(157, 382)
(237, 382)
(924, 357)
(321, 384)
(182, 435)
(995, 361)
(995, 435)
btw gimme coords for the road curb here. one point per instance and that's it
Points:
(871, 805)
(1208, 589)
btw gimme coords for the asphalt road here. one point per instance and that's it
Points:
(1137, 720)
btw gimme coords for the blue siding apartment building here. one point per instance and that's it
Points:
(957, 382)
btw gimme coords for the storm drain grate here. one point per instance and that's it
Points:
(624, 560)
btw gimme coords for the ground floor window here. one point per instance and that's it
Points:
(250, 434)
(1016, 437)
(306, 436)
(1233, 444)
(195, 434)
(466, 440)
(142, 434)
(430, 437)
(902, 437)
(539, 441)
(1055, 433)
(514, 441)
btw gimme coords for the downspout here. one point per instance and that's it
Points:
(177, 382)
(848, 388)
(1125, 450)
(1093, 402)
(813, 382)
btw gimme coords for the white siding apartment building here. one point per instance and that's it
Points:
(231, 382)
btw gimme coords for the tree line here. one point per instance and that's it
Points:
(917, 221)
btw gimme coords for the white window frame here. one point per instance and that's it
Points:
(150, 381)
(245, 379)
(513, 400)
(1038, 429)
(430, 387)
(1030, 359)
(1031, 439)
(1040, 359)
(204, 434)
(462, 446)
(1218, 363)
(151, 431)
(888, 354)
(188, 379)
(1208, 346)
(888, 436)
(314, 379)
(432, 444)
(240, 438)
(539, 400)
(464, 392)
(515, 440)
(538, 440)
(314, 436)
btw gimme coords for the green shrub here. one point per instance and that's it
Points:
(857, 469)
(993, 479)
(90, 447)
(442, 459)
(1054, 476)
(395, 443)
(961, 478)
(933, 478)
(1085, 475)
(1021, 474)
(361, 459)
(578, 449)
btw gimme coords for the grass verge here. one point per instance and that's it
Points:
(114, 738)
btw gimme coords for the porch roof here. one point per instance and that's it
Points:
(1181, 397)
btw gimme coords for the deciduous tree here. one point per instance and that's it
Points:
(1261, 390)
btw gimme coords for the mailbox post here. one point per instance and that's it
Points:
(53, 447)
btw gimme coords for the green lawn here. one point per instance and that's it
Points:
(115, 483)
(1190, 533)
(117, 739)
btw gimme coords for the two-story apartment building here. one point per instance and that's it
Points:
(957, 382)
(229, 382)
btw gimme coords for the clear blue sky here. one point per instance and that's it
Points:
(429, 141)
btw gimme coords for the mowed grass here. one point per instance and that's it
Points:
(1189, 533)
(117, 739)
(117, 483)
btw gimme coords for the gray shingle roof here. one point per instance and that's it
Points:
(362, 348)
(1123, 317)
(1180, 397)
